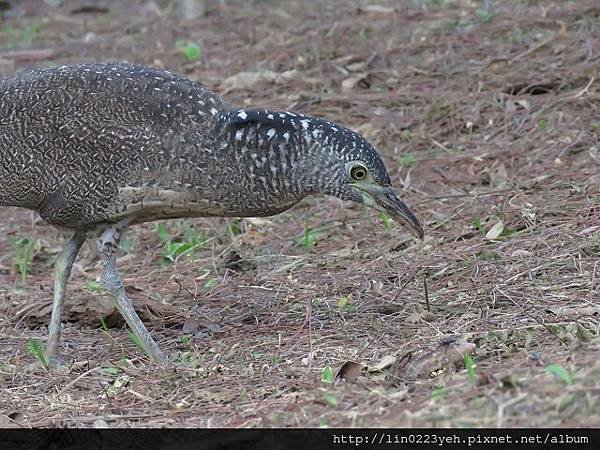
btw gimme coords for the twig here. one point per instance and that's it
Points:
(28, 55)
(426, 292)
(535, 48)
(542, 323)
(584, 90)
(366, 347)
(412, 277)
(84, 374)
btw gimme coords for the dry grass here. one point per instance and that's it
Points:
(484, 115)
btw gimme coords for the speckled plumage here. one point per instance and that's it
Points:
(90, 144)
(96, 147)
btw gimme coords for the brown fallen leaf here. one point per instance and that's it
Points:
(90, 8)
(232, 260)
(247, 80)
(191, 325)
(570, 312)
(419, 316)
(360, 80)
(83, 309)
(252, 238)
(349, 372)
(589, 230)
(378, 9)
(445, 355)
(91, 309)
(385, 362)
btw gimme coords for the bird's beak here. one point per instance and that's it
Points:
(385, 199)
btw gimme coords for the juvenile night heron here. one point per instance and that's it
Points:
(97, 147)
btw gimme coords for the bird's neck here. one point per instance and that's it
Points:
(270, 165)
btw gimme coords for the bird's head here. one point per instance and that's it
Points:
(303, 155)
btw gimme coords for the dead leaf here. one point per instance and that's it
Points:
(495, 231)
(589, 230)
(378, 9)
(232, 260)
(259, 221)
(349, 372)
(571, 312)
(418, 316)
(438, 358)
(84, 309)
(499, 176)
(358, 81)
(100, 423)
(357, 67)
(483, 379)
(385, 362)
(252, 238)
(15, 416)
(191, 325)
(428, 316)
(247, 80)
(90, 9)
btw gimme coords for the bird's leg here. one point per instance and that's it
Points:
(62, 271)
(112, 280)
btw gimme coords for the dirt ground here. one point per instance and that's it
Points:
(487, 114)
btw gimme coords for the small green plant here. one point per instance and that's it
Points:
(235, 226)
(487, 256)
(365, 33)
(560, 372)
(113, 371)
(210, 283)
(386, 220)
(103, 325)
(136, 340)
(35, 349)
(438, 392)
(125, 245)
(470, 366)
(190, 359)
(190, 50)
(185, 358)
(95, 287)
(345, 305)
(330, 399)
(24, 249)
(192, 240)
(476, 221)
(116, 386)
(591, 245)
(543, 125)
(408, 159)
(327, 375)
(24, 36)
(309, 237)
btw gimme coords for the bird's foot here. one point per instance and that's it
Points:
(108, 239)
(57, 363)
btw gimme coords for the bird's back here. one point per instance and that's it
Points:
(72, 136)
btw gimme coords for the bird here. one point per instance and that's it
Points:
(97, 147)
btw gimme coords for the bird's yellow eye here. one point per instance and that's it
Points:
(358, 172)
